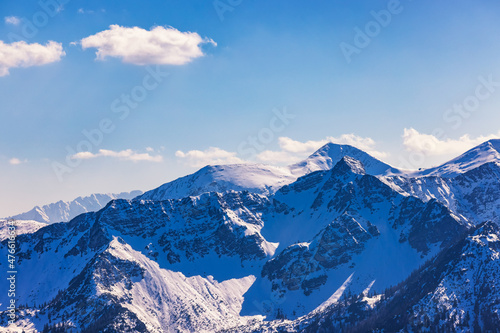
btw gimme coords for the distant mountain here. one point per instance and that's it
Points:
(63, 211)
(486, 152)
(21, 228)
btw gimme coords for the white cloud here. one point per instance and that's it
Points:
(294, 151)
(126, 155)
(16, 161)
(149, 149)
(14, 20)
(22, 54)
(210, 156)
(279, 157)
(160, 45)
(430, 145)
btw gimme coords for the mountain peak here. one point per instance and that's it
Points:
(331, 153)
(486, 152)
(494, 144)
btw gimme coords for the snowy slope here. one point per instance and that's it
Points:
(456, 291)
(464, 280)
(21, 227)
(488, 151)
(256, 178)
(63, 211)
(120, 288)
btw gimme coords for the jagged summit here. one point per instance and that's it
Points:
(350, 164)
(328, 155)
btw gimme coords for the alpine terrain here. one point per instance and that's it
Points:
(339, 242)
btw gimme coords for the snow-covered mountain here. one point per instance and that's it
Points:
(338, 242)
(486, 152)
(63, 211)
(328, 155)
(263, 179)
(343, 221)
(456, 291)
(256, 178)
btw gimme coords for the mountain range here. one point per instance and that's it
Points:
(63, 211)
(338, 242)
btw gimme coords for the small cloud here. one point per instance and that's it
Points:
(210, 156)
(160, 45)
(126, 155)
(428, 144)
(149, 149)
(88, 11)
(294, 151)
(16, 161)
(13, 20)
(22, 54)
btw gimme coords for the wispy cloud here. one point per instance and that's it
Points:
(160, 45)
(13, 20)
(126, 155)
(293, 151)
(22, 54)
(89, 11)
(428, 144)
(210, 156)
(16, 161)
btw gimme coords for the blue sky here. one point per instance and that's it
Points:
(422, 86)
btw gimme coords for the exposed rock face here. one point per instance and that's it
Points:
(302, 266)
(351, 210)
